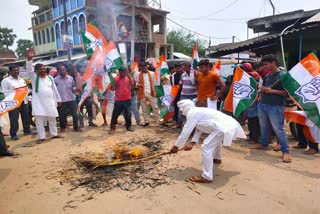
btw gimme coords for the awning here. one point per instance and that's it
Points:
(247, 45)
(315, 18)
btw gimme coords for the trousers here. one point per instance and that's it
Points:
(119, 107)
(3, 146)
(154, 105)
(274, 115)
(41, 121)
(211, 148)
(23, 110)
(64, 109)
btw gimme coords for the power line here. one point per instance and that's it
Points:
(222, 9)
(234, 21)
(194, 32)
(213, 13)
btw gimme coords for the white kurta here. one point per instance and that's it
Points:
(220, 128)
(206, 120)
(44, 102)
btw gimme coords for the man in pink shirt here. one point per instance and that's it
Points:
(122, 87)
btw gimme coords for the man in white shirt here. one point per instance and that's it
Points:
(221, 130)
(8, 84)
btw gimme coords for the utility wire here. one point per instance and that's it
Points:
(213, 19)
(219, 11)
(194, 32)
(213, 13)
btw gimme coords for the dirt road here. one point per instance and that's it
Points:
(247, 181)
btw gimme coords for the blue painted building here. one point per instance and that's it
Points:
(76, 13)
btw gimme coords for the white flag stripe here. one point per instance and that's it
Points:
(166, 89)
(245, 80)
(90, 36)
(301, 74)
(113, 54)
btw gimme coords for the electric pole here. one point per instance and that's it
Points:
(66, 28)
(133, 29)
(273, 7)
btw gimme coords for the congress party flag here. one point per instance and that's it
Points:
(195, 57)
(310, 130)
(162, 71)
(13, 99)
(92, 39)
(302, 83)
(112, 58)
(87, 89)
(242, 93)
(166, 95)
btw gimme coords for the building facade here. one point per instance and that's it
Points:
(113, 18)
(43, 28)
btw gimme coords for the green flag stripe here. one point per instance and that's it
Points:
(244, 104)
(118, 63)
(311, 109)
(86, 41)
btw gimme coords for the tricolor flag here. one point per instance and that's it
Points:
(13, 99)
(87, 89)
(91, 39)
(195, 57)
(217, 67)
(166, 95)
(112, 58)
(302, 83)
(162, 71)
(311, 131)
(242, 93)
(134, 69)
(108, 103)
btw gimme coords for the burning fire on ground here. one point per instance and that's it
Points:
(102, 172)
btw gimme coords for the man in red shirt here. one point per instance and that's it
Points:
(122, 87)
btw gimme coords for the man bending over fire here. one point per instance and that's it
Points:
(221, 129)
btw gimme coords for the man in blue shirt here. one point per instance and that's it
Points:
(270, 108)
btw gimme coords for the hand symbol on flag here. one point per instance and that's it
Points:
(167, 100)
(242, 91)
(6, 105)
(310, 92)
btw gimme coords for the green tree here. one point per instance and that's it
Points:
(22, 46)
(183, 42)
(7, 37)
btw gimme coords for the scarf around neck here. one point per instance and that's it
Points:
(38, 80)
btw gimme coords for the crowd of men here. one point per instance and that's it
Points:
(55, 94)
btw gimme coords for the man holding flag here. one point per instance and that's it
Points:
(270, 108)
(8, 84)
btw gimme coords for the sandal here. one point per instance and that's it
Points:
(286, 158)
(297, 146)
(259, 147)
(277, 148)
(57, 136)
(40, 141)
(199, 179)
(217, 161)
(310, 152)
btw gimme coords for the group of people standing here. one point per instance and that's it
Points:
(57, 96)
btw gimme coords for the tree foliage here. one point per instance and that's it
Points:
(22, 46)
(7, 37)
(183, 42)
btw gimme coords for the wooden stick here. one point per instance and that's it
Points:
(117, 163)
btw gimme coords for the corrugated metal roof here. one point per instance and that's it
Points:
(254, 41)
(315, 18)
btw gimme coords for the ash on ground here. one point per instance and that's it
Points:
(129, 177)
